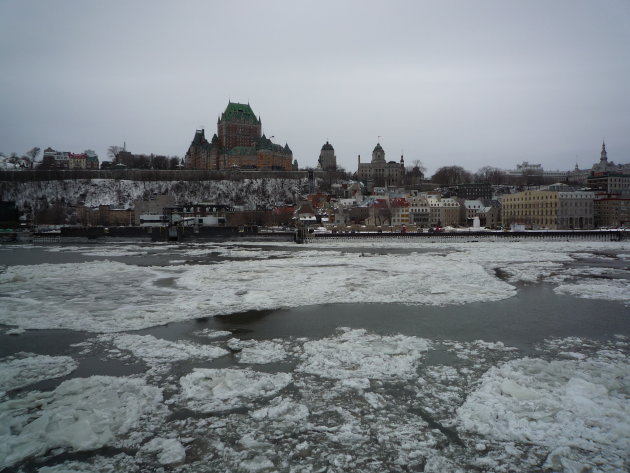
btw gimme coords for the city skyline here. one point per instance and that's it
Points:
(448, 83)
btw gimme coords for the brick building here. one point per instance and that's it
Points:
(238, 144)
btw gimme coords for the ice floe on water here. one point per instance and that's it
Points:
(81, 414)
(359, 354)
(615, 290)
(27, 368)
(78, 296)
(212, 334)
(168, 451)
(98, 296)
(156, 351)
(215, 390)
(578, 409)
(352, 401)
(253, 351)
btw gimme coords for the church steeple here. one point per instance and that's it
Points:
(604, 155)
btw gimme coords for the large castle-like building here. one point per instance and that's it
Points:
(238, 144)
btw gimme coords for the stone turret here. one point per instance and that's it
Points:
(327, 159)
(378, 155)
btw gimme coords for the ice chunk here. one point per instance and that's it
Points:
(81, 414)
(155, 350)
(168, 451)
(212, 334)
(611, 290)
(283, 410)
(212, 390)
(359, 354)
(27, 368)
(259, 352)
(257, 463)
(581, 404)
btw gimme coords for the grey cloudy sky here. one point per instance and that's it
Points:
(463, 82)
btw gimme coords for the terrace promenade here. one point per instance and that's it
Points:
(566, 235)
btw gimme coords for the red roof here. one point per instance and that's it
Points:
(399, 202)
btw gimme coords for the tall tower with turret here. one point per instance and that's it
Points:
(238, 126)
(327, 160)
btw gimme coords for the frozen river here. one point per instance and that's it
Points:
(333, 357)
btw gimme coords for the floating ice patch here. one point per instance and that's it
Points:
(212, 334)
(80, 415)
(530, 272)
(213, 390)
(253, 351)
(99, 296)
(26, 368)
(610, 290)
(358, 354)
(239, 286)
(15, 331)
(281, 410)
(168, 451)
(568, 403)
(155, 350)
(78, 296)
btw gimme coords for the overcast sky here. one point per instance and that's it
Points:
(461, 82)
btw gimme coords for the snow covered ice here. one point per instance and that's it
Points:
(212, 394)
(81, 414)
(27, 368)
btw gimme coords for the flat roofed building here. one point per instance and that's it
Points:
(549, 209)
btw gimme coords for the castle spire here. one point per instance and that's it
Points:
(604, 155)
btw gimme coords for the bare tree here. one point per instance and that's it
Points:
(113, 151)
(174, 162)
(420, 165)
(33, 153)
(451, 175)
(492, 175)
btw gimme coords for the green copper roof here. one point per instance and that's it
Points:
(242, 151)
(239, 112)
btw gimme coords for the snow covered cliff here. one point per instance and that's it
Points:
(95, 192)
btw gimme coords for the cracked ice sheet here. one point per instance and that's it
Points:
(359, 354)
(27, 368)
(610, 290)
(77, 296)
(156, 350)
(258, 352)
(215, 390)
(81, 414)
(577, 409)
